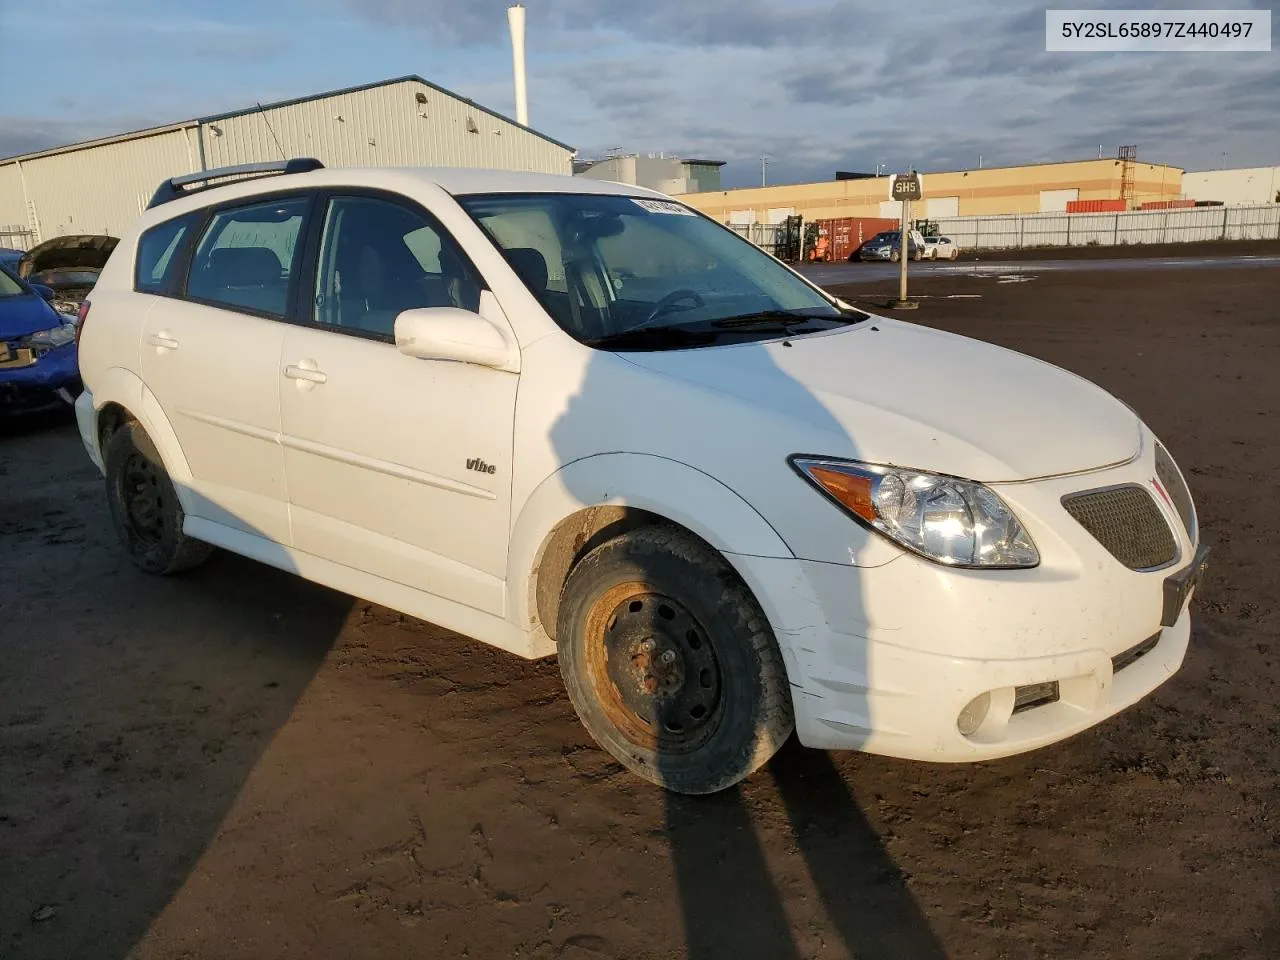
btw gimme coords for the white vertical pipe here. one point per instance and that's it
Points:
(515, 19)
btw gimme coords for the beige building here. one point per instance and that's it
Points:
(670, 175)
(1242, 185)
(1034, 188)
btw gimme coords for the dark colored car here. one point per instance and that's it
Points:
(69, 265)
(887, 245)
(38, 365)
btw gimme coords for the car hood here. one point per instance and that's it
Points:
(82, 252)
(25, 314)
(896, 393)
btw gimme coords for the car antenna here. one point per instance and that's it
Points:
(272, 132)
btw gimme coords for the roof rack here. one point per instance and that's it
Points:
(174, 187)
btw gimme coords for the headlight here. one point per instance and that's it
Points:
(58, 336)
(952, 521)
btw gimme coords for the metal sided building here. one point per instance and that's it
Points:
(100, 186)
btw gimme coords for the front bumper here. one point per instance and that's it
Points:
(52, 381)
(886, 659)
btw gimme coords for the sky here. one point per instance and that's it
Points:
(817, 86)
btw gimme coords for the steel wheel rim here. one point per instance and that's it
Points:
(142, 498)
(654, 669)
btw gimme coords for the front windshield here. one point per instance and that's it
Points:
(884, 237)
(10, 287)
(607, 267)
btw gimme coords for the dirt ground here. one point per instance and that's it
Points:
(236, 763)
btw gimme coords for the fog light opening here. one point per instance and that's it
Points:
(973, 714)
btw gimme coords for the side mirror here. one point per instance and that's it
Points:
(46, 292)
(449, 333)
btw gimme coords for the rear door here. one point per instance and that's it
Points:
(211, 354)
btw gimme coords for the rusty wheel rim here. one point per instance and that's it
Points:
(653, 669)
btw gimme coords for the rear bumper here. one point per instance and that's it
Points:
(86, 421)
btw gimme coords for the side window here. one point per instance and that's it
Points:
(378, 258)
(245, 258)
(158, 252)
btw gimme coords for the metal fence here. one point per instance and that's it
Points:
(16, 238)
(763, 235)
(1185, 225)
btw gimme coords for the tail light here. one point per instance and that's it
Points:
(81, 315)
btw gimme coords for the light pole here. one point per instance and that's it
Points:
(764, 163)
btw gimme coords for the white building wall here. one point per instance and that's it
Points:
(13, 210)
(101, 189)
(383, 126)
(1243, 185)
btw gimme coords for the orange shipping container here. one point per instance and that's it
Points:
(846, 234)
(1096, 206)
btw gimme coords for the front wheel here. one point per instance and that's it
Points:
(144, 506)
(893, 256)
(670, 662)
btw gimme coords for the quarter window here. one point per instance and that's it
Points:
(157, 253)
(378, 258)
(246, 256)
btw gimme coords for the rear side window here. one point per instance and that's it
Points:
(159, 251)
(246, 257)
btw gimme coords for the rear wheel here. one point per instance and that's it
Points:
(144, 506)
(670, 662)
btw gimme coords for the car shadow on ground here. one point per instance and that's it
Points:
(111, 788)
(731, 904)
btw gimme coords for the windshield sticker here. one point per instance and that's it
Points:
(664, 206)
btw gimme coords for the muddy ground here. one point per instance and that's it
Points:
(236, 763)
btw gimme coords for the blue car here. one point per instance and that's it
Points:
(38, 367)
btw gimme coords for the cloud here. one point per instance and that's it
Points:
(819, 85)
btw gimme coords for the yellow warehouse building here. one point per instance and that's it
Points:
(1033, 188)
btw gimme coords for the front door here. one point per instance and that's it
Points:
(395, 466)
(211, 353)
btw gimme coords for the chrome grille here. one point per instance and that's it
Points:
(1127, 522)
(1171, 479)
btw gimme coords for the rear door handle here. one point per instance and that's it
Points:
(163, 341)
(295, 372)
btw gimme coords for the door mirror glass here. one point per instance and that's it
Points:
(450, 333)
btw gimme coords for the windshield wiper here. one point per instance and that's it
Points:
(653, 337)
(778, 318)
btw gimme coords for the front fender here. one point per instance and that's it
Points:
(668, 488)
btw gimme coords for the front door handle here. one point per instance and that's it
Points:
(308, 374)
(163, 341)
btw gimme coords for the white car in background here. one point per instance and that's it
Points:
(572, 417)
(940, 248)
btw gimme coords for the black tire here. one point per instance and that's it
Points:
(893, 256)
(144, 506)
(916, 256)
(711, 679)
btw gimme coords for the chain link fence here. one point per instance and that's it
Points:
(1184, 225)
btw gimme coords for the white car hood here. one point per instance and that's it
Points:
(889, 392)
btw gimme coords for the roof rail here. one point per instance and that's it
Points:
(174, 187)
